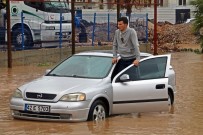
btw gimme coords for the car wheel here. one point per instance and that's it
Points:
(17, 38)
(170, 99)
(97, 111)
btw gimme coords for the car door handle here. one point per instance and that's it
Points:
(160, 86)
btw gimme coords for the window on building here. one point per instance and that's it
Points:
(182, 2)
(147, 3)
(80, 1)
(160, 3)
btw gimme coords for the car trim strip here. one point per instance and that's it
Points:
(140, 101)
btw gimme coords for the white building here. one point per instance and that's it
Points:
(174, 11)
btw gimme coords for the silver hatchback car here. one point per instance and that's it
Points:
(85, 87)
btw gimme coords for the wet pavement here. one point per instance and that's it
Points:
(185, 118)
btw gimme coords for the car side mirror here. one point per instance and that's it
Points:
(124, 78)
(47, 71)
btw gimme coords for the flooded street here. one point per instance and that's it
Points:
(185, 118)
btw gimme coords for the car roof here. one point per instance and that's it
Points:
(107, 53)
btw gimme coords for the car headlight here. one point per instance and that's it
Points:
(73, 97)
(17, 94)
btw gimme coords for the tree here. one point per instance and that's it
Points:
(128, 4)
(198, 24)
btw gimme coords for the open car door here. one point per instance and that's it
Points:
(142, 88)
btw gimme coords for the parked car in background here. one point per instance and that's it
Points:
(84, 87)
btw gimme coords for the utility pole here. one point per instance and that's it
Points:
(8, 34)
(155, 27)
(73, 25)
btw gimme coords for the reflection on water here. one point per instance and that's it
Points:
(184, 118)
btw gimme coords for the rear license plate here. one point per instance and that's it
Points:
(37, 108)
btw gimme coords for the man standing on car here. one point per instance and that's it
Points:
(126, 44)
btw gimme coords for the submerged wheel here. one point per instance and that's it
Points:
(17, 38)
(97, 111)
(170, 98)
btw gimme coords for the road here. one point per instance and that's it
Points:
(185, 117)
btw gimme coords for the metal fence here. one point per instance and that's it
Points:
(34, 28)
(91, 29)
(100, 27)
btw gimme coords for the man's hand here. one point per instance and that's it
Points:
(136, 62)
(114, 60)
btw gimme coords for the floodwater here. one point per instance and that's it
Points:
(185, 118)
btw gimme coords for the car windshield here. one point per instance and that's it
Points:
(83, 66)
(50, 6)
(56, 6)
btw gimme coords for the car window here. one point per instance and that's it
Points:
(149, 69)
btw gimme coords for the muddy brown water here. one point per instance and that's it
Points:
(185, 118)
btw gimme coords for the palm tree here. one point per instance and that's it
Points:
(198, 18)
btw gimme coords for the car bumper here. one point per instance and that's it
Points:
(59, 111)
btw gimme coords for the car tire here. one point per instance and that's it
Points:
(97, 111)
(170, 98)
(17, 38)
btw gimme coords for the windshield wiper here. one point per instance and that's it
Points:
(52, 75)
(55, 75)
(65, 75)
(78, 76)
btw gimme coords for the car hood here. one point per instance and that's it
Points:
(56, 85)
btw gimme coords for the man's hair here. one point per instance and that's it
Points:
(124, 19)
